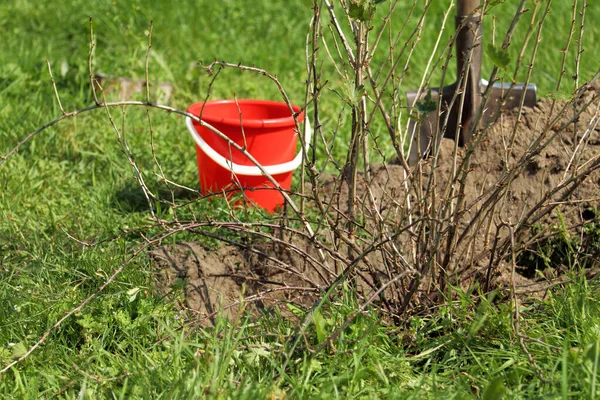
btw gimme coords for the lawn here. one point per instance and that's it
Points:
(72, 213)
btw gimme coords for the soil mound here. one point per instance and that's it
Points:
(261, 274)
(548, 193)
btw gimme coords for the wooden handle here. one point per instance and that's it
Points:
(466, 7)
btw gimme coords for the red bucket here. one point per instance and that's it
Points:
(270, 135)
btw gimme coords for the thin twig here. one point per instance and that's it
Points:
(93, 81)
(147, 59)
(62, 110)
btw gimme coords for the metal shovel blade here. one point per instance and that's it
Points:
(461, 102)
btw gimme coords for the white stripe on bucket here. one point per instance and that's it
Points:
(248, 170)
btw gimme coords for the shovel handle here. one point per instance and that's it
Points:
(466, 7)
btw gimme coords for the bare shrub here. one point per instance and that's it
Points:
(402, 236)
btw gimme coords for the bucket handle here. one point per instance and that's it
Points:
(248, 170)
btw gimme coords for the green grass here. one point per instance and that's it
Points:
(129, 341)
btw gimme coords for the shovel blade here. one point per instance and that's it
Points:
(505, 98)
(432, 127)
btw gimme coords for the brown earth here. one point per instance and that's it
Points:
(267, 273)
(262, 274)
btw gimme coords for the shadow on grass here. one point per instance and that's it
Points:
(559, 251)
(131, 198)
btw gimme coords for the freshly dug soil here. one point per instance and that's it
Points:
(262, 274)
(268, 273)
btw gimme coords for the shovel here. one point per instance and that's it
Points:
(459, 114)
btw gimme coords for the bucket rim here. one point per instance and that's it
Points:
(284, 122)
